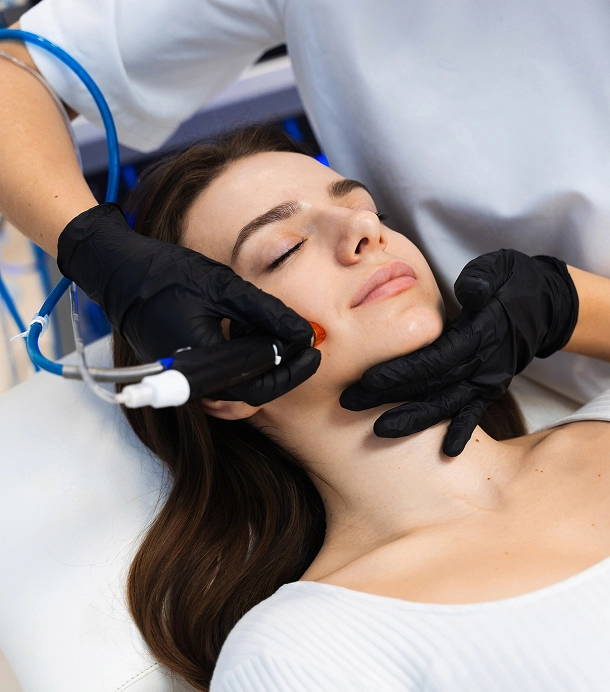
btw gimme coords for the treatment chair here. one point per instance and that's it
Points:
(77, 491)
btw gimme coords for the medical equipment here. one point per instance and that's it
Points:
(319, 333)
(39, 254)
(169, 381)
(183, 378)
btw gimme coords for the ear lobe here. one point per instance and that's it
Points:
(229, 410)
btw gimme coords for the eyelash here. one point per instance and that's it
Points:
(280, 260)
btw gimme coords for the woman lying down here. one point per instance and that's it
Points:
(298, 551)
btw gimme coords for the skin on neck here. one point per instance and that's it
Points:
(376, 491)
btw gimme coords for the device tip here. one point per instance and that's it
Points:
(319, 332)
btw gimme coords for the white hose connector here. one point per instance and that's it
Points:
(169, 388)
(42, 320)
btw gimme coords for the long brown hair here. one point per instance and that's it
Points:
(242, 516)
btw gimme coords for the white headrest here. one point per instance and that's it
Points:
(77, 491)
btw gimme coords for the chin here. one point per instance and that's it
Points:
(406, 333)
(384, 339)
(421, 327)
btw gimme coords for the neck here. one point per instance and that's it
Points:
(377, 490)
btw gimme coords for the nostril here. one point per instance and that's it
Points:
(361, 245)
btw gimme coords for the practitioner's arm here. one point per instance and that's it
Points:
(159, 297)
(591, 336)
(41, 186)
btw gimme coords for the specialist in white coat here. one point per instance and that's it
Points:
(476, 125)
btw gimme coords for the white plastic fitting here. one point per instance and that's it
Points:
(169, 388)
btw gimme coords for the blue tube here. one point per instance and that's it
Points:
(113, 175)
(12, 308)
(36, 356)
(111, 135)
(40, 257)
(35, 329)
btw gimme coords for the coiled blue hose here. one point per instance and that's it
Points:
(40, 260)
(113, 176)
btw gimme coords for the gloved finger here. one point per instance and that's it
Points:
(357, 398)
(415, 416)
(481, 278)
(462, 427)
(456, 347)
(245, 302)
(167, 322)
(276, 382)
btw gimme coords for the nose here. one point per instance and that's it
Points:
(354, 233)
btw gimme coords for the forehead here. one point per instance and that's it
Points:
(247, 188)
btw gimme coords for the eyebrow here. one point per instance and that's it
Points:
(286, 210)
(341, 188)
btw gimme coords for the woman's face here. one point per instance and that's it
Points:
(298, 230)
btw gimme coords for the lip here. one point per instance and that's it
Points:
(389, 280)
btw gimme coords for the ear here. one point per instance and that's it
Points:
(229, 410)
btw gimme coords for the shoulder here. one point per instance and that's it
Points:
(578, 441)
(313, 637)
(279, 624)
(282, 643)
(578, 454)
(278, 674)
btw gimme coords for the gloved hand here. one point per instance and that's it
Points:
(515, 307)
(162, 297)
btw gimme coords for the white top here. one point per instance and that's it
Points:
(476, 125)
(312, 637)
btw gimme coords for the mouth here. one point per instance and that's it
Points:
(389, 280)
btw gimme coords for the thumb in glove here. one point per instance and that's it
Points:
(481, 278)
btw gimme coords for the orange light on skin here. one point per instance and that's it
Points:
(319, 332)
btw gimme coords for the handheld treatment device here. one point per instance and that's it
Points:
(187, 374)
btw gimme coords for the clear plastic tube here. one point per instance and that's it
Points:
(53, 95)
(62, 111)
(98, 390)
(112, 141)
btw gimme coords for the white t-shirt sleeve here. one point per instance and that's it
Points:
(279, 674)
(156, 62)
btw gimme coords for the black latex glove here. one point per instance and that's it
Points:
(515, 307)
(162, 297)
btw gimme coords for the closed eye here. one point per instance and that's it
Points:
(282, 258)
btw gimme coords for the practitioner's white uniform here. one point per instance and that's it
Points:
(477, 125)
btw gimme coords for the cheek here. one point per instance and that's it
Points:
(303, 287)
(315, 295)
